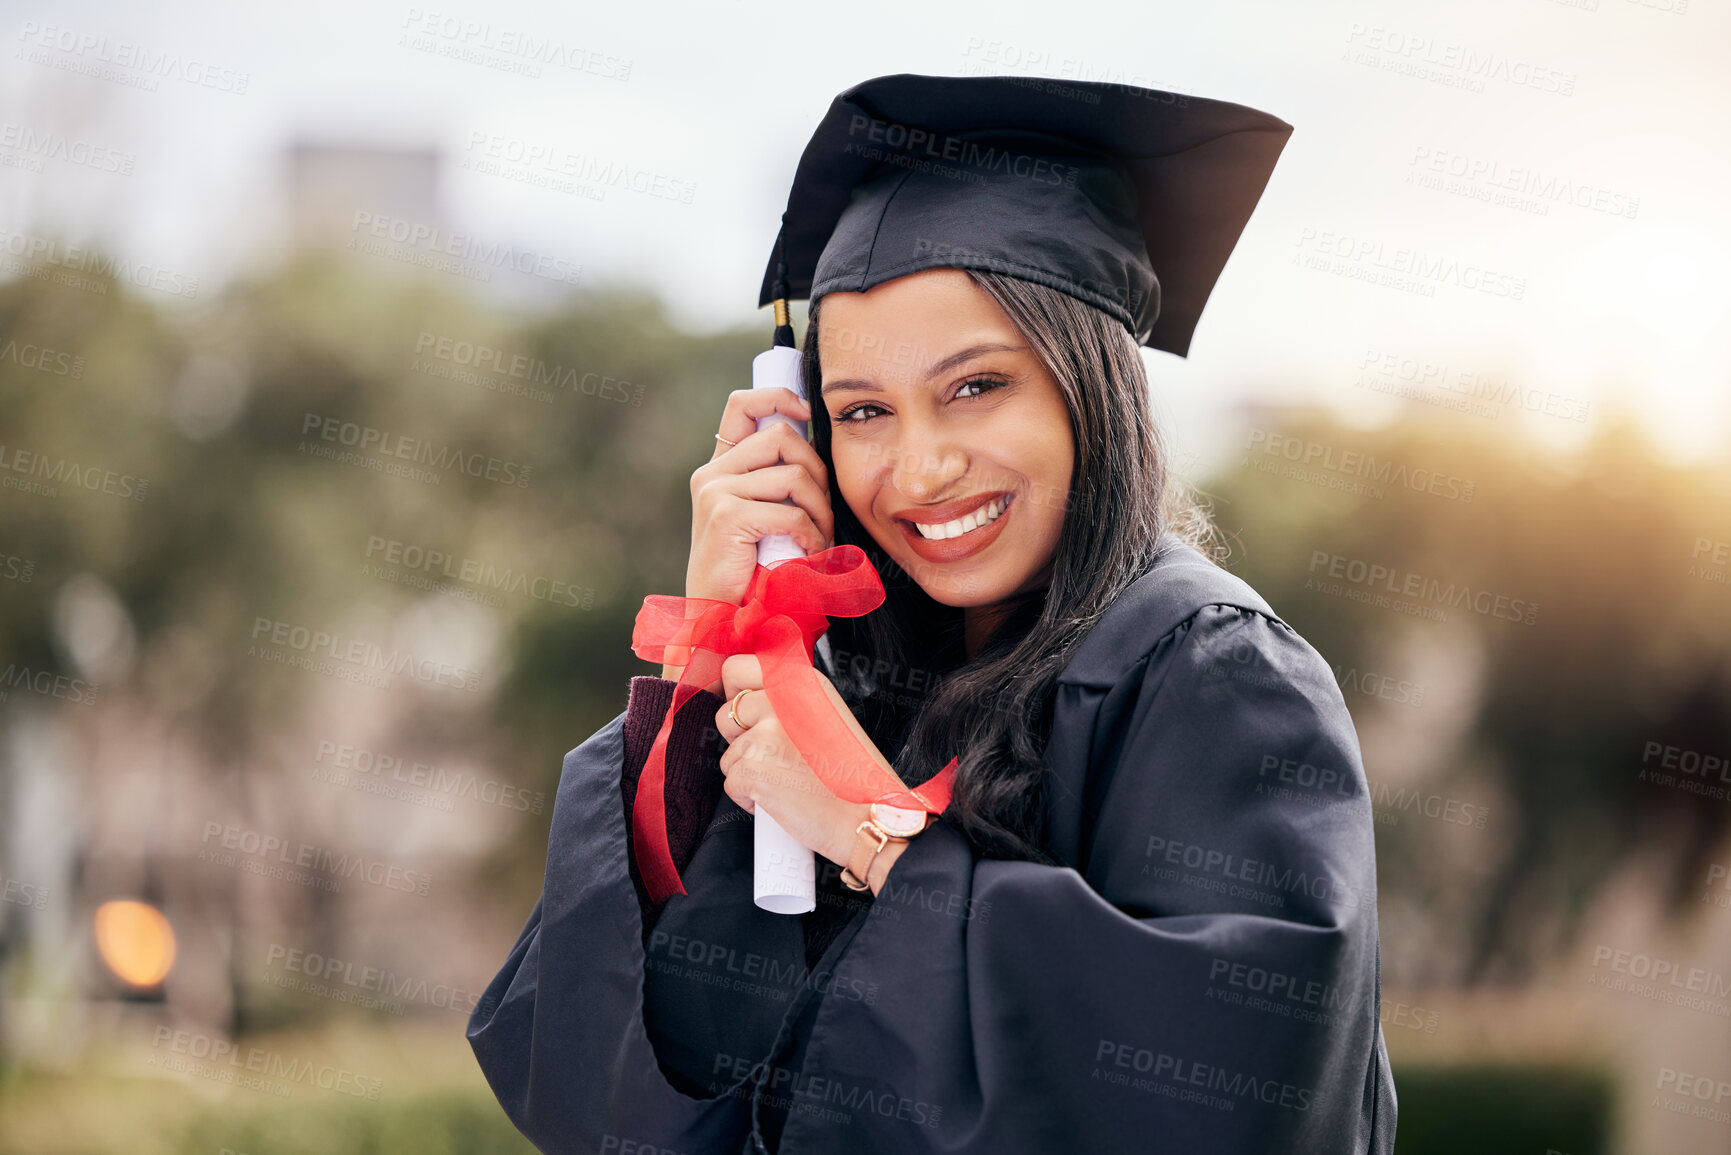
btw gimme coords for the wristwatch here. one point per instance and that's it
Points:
(886, 824)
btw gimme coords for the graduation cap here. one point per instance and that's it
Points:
(1130, 199)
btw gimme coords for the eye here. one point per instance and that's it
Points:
(848, 413)
(987, 384)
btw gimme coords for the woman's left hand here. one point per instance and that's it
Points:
(764, 767)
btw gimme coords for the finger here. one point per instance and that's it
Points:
(770, 446)
(769, 751)
(741, 672)
(780, 483)
(740, 797)
(750, 521)
(737, 786)
(731, 730)
(770, 482)
(745, 406)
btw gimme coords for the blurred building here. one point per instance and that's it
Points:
(383, 207)
(328, 184)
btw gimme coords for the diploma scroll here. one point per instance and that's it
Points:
(784, 871)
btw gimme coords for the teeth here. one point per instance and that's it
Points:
(984, 515)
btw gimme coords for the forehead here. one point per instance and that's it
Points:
(908, 323)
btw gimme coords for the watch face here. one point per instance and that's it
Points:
(898, 821)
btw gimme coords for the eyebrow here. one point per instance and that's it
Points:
(856, 385)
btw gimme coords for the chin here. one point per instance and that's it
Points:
(960, 592)
(960, 584)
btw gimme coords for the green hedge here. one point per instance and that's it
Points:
(429, 1125)
(1503, 1110)
(1448, 1110)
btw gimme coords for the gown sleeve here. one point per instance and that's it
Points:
(1204, 977)
(560, 1030)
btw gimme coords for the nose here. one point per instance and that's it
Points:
(923, 470)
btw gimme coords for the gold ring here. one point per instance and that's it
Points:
(735, 706)
(724, 440)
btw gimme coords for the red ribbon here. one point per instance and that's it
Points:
(787, 607)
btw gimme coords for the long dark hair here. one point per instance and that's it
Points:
(902, 668)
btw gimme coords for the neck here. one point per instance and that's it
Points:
(975, 627)
(978, 622)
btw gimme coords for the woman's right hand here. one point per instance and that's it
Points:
(738, 496)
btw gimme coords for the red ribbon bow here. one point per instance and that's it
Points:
(787, 608)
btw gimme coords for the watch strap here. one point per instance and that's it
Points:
(869, 843)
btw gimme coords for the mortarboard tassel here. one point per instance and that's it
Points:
(783, 327)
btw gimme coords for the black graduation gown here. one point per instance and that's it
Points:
(1201, 974)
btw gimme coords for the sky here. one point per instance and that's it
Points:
(1552, 169)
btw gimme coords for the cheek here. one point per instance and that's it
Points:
(1034, 446)
(1047, 464)
(848, 469)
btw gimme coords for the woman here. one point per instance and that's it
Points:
(1146, 920)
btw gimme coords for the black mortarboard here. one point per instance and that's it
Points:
(1128, 198)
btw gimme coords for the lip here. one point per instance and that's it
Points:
(954, 548)
(949, 510)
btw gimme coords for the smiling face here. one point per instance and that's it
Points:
(950, 439)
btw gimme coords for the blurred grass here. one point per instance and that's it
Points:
(429, 1125)
(1444, 1110)
(433, 1101)
(107, 1119)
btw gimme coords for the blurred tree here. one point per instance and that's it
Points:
(219, 412)
(1627, 646)
(608, 407)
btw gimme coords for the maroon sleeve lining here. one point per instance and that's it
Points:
(694, 778)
